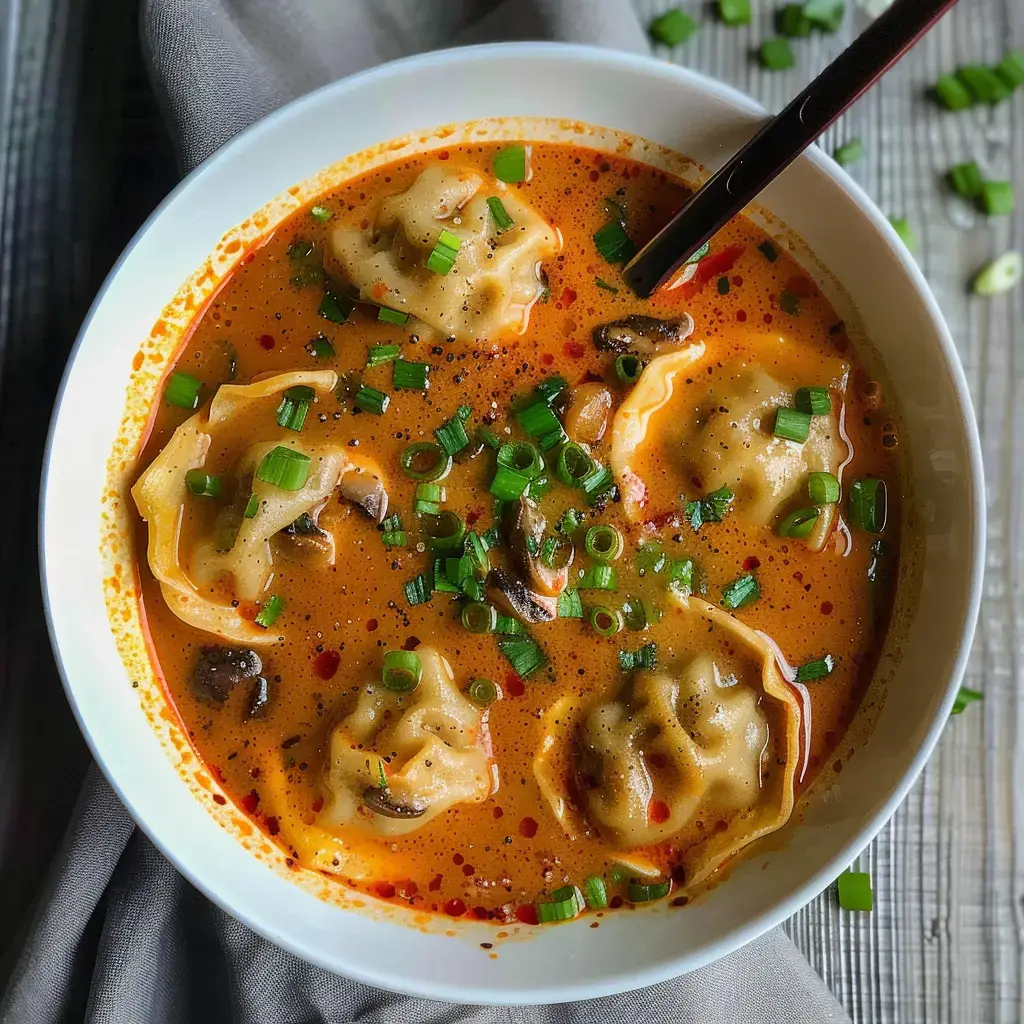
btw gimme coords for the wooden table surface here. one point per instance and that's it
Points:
(945, 944)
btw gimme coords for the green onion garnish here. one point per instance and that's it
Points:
(869, 505)
(285, 468)
(813, 401)
(452, 436)
(965, 695)
(269, 613)
(570, 605)
(650, 558)
(646, 657)
(734, 12)
(997, 199)
(628, 368)
(203, 485)
(952, 93)
(522, 457)
(605, 621)
(444, 530)
(446, 249)
(792, 22)
(817, 669)
(488, 437)
(401, 672)
(424, 460)
(826, 14)
(483, 692)
(646, 892)
(855, 891)
(479, 618)
(371, 400)
(457, 569)
(502, 220)
(320, 348)
(392, 316)
(712, 508)
(983, 84)
(182, 390)
(550, 388)
(407, 376)
(538, 419)
(792, 424)
(523, 654)
(507, 484)
(538, 488)
(418, 590)
(902, 228)
(823, 488)
(597, 483)
(613, 243)
(431, 492)
(680, 576)
(442, 584)
(799, 523)
(508, 626)
(300, 249)
(776, 55)
(966, 180)
(320, 213)
(595, 893)
(476, 549)
(510, 164)
(395, 538)
(553, 440)
(473, 589)
(600, 577)
(672, 28)
(603, 543)
(571, 520)
(574, 465)
(378, 355)
(1011, 69)
(295, 403)
(741, 592)
(335, 306)
(789, 303)
(605, 286)
(1002, 274)
(252, 506)
(565, 904)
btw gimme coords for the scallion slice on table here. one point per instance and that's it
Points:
(855, 891)
(502, 220)
(605, 621)
(565, 904)
(799, 523)
(868, 505)
(424, 460)
(401, 672)
(483, 692)
(595, 893)
(952, 93)
(849, 152)
(672, 28)
(446, 249)
(392, 316)
(965, 695)
(285, 468)
(378, 355)
(776, 55)
(825, 14)
(603, 543)
(523, 654)
(640, 891)
(734, 12)
(814, 401)
(792, 424)
(902, 228)
(817, 669)
(182, 390)
(792, 22)
(295, 403)
(1011, 69)
(478, 617)
(511, 164)
(570, 606)
(823, 488)
(269, 613)
(996, 198)
(628, 368)
(966, 179)
(1002, 274)
(371, 400)
(202, 484)
(741, 592)
(982, 83)
(409, 376)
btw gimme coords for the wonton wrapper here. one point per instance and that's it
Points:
(495, 279)
(434, 745)
(692, 736)
(720, 430)
(161, 493)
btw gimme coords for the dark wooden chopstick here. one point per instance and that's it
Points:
(782, 140)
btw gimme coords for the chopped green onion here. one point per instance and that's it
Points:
(793, 23)
(506, 625)
(371, 400)
(473, 589)
(418, 590)
(700, 253)
(813, 401)
(511, 164)
(492, 537)
(768, 251)
(401, 672)
(1002, 274)
(507, 484)
(595, 893)
(605, 286)
(565, 904)
(523, 654)
(550, 388)
(646, 892)
(395, 538)
(452, 436)
(538, 419)
(476, 549)
(488, 437)
(792, 424)
(335, 306)
(823, 488)
(734, 12)
(320, 348)
(479, 618)
(458, 569)
(442, 584)
(997, 199)
(1011, 69)
(553, 440)
(855, 891)
(605, 621)
(424, 460)
(446, 249)
(483, 692)
(182, 390)
(723, 285)
(431, 492)
(600, 577)
(869, 505)
(789, 303)
(502, 220)
(285, 468)
(817, 669)
(295, 403)
(799, 523)
(426, 507)
(613, 243)
(201, 484)
(680, 576)
(902, 228)
(574, 465)
(672, 28)
(712, 508)
(407, 376)
(269, 613)
(966, 180)
(570, 605)
(548, 550)
(826, 14)
(444, 530)
(965, 695)
(628, 368)
(646, 657)
(300, 249)
(650, 558)
(378, 355)
(392, 316)
(597, 482)
(741, 592)
(848, 152)
(983, 84)
(538, 488)
(571, 520)
(252, 506)
(320, 213)
(522, 457)
(952, 93)
(776, 55)
(603, 543)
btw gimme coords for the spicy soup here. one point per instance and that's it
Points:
(488, 588)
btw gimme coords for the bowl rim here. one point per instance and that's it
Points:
(798, 897)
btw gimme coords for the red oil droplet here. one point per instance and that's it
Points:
(218, 799)
(657, 812)
(528, 828)
(768, 318)
(468, 869)
(480, 913)
(455, 907)
(573, 349)
(251, 801)
(318, 805)
(273, 826)
(498, 812)
(385, 890)
(267, 341)
(751, 562)
(473, 515)
(514, 686)
(741, 315)
(371, 625)
(547, 358)
(615, 902)
(527, 913)
(826, 607)
(594, 175)
(326, 664)
(457, 858)
(737, 280)
(435, 883)
(443, 155)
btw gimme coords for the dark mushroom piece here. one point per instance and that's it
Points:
(219, 670)
(512, 595)
(379, 801)
(367, 491)
(641, 334)
(259, 698)
(525, 526)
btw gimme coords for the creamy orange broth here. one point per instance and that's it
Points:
(509, 850)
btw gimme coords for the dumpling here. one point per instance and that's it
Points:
(495, 279)
(701, 752)
(400, 759)
(684, 432)
(233, 546)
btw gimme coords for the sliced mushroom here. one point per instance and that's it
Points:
(220, 669)
(515, 597)
(379, 801)
(367, 491)
(642, 334)
(525, 527)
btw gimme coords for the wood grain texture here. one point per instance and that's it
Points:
(945, 944)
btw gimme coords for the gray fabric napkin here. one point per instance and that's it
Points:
(120, 936)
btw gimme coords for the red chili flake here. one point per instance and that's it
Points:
(751, 562)
(435, 883)
(741, 315)
(768, 318)
(528, 828)
(568, 297)
(473, 516)
(481, 913)
(254, 772)
(267, 341)
(573, 349)
(457, 858)
(411, 643)
(272, 825)
(527, 913)
(326, 663)
(826, 607)
(455, 907)
(712, 267)
(385, 890)
(798, 576)
(547, 358)
(443, 155)
(514, 685)
(318, 805)
(371, 625)
(218, 799)
(658, 812)
(737, 280)
(468, 869)
(498, 812)
(251, 801)
(615, 902)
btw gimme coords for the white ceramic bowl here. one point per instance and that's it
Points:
(851, 238)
